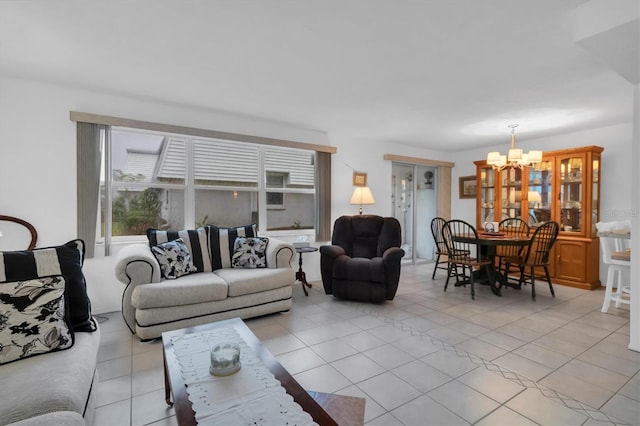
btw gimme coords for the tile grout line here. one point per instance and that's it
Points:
(560, 398)
(581, 353)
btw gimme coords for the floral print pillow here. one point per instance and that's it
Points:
(32, 318)
(249, 252)
(174, 259)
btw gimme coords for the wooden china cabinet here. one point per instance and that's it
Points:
(564, 187)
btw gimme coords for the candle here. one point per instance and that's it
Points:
(225, 359)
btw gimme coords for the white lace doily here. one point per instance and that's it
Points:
(252, 396)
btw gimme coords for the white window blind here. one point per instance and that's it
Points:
(217, 161)
(298, 164)
(172, 159)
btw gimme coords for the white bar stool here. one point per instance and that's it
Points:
(618, 274)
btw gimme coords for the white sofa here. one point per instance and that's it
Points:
(43, 381)
(152, 305)
(56, 388)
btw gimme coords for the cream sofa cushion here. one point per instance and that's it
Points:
(188, 289)
(56, 381)
(66, 418)
(248, 281)
(151, 316)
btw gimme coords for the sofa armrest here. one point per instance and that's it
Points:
(279, 254)
(136, 264)
(332, 251)
(391, 259)
(392, 255)
(328, 256)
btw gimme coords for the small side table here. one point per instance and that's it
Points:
(300, 275)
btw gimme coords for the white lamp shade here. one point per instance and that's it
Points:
(493, 158)
(534, 196)
(362, 195)
(515, 154)
(535, 156)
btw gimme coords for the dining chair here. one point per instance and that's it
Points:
(513, 226)
(537, 256)
(463, 250)
(441, 248)
(618, 270)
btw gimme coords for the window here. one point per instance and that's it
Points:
(179, 191)
(275, 200)
(170, 181)
(292, 172)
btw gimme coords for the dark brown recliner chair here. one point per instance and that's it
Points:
(363, 260)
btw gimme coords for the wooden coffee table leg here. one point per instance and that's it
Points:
(167, 384)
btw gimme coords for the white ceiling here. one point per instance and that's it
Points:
(447, 74)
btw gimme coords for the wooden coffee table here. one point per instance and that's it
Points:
(341, 406)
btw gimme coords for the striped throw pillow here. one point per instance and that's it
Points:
(222, 240)
(65, 260)
(195, 240)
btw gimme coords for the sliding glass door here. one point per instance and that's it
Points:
(414, 204)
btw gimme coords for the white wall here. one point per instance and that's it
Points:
(367, 156)
(38, 168)
(363, 156)
(634, 332)
(38, 151)
(38, 145)
(615, 173)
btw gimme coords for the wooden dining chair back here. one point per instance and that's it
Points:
(537, 256)
(463, 250)
(515, 227)
(441, 249)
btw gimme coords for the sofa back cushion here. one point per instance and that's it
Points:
(65, 260)
(195, 240)
(222, 241)
(34, 318)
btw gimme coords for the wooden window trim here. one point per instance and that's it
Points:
(85, 117)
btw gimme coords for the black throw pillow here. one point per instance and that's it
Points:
(65, 260)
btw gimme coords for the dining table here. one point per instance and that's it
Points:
(488, 242)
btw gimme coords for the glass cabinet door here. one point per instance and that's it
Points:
(595, 193)
(487, 194)
(540, 192)
(571, 193)
(511, 193)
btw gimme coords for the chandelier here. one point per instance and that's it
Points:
(515, 158)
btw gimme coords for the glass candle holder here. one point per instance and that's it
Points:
(225, 359)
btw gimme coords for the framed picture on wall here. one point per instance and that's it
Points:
(467, 186)
(359, 179)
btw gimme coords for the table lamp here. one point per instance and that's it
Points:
(362, 195)
(534, 199)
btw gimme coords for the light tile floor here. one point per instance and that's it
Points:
(427, 357)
